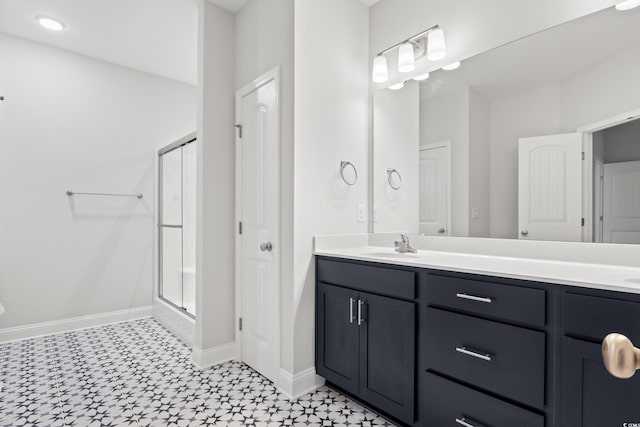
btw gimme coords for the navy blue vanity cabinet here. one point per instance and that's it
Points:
(591, 397)
(366, 333)
(485, 350)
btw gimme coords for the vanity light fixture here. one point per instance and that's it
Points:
(628, 4)
(50, 23)
(406, 59)
(397, 86)
(380, 70)
(452, 66)
(421, 77)
(436, 48)
(429, 43)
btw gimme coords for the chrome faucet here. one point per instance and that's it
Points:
(403, 246)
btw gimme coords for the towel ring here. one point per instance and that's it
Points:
(390, 172)
(343, 165)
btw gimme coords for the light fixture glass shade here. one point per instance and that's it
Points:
(50, 23)
(421, 77)
(452, 66)
(397, 86)
(436, 48)
(628, 4)
(406, 60)
(380, 70)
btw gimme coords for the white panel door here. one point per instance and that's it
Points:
(621, 216)
(433, 189)
(550, 187)
(259, 213)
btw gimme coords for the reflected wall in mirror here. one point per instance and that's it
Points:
(538, 139)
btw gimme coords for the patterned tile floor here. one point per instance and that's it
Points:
(139, 374)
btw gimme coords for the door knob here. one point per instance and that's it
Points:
(441, 230)
(524, 233)
(266, 247)
(620, 357)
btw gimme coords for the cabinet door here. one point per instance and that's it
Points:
(337, 336)
(387, 354)
(591, 396)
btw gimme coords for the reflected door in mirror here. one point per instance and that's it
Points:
(621, 216)
(434, 189)
(550, 187)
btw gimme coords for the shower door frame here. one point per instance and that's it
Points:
(161, 152)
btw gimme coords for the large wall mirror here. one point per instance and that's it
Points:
(537, 139)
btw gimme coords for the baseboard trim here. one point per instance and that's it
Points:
(304, 382)
(66, 325)
(213, 356)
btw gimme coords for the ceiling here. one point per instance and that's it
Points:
(153, 36)
(543, 58)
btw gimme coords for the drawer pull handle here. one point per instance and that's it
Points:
(360, 318)
(472, 353)
(475, 298)
(463, 422)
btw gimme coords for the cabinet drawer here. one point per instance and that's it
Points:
(596, 317)
(380, 280)
(504, 359)
(445, 402)
(512, 303)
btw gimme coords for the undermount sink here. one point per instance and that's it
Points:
(391, 254)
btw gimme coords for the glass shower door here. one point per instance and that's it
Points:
(176, 225)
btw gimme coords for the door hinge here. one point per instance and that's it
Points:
(601, 218)
(240, 227)
(239, 131)
(240, 323)
(583, 222)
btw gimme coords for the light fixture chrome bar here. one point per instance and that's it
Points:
(410, 39)
(74, 193)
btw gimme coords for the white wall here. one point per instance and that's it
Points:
(603, 90)
(396, 130)
(215, 190)
(530, 113)
(479, 165)
(622, 143)
(445, 117)
(331, 124)
(264, 40)
(71, 122)
(471, 26)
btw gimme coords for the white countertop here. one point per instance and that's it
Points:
(597, 276)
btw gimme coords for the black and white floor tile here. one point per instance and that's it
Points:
(139, 374)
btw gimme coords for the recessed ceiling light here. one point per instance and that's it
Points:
(50, 23)
(628, 4)
(452, 67)
(397, 86)
(421, 77)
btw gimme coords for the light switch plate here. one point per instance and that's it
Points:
(475, 213)
(362, 213)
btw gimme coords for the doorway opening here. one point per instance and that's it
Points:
(615, 165)
(177, 224)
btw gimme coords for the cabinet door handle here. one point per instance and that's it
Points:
(620, 357)
(360, 319)
(475, 298)
(463, 422)
(351, 301)
(473, 353)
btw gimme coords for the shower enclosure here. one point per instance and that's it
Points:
(177, 224)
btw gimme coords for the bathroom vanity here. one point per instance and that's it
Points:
(488, 343)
